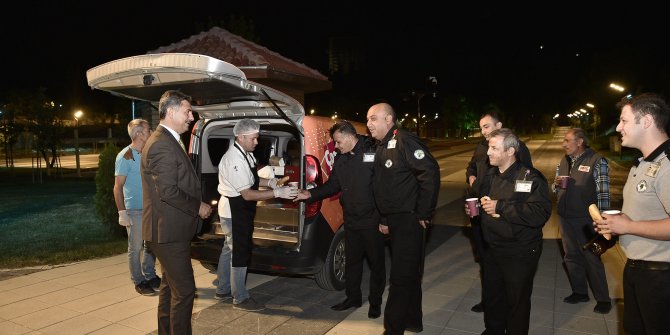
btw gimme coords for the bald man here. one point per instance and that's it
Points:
(406, 183)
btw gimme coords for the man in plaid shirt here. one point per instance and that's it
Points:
(588, 183)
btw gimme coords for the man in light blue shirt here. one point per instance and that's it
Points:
(128, 198)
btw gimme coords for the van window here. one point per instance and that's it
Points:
(292, 154)
(217, 146)
(265, 149)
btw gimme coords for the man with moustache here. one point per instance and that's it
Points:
(172, 207)
(474, 174)
(515, 207)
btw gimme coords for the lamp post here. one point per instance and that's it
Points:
(419, 96)
(595, 119)
(77, 115)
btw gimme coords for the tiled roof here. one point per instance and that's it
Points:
(222, 44)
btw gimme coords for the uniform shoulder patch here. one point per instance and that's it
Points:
(419, 154)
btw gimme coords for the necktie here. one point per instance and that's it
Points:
(182, 145)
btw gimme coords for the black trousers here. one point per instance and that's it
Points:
(177, 290)
(507, 285)
(646, 294)
(478, 242)
(403, 306)
(359, 244)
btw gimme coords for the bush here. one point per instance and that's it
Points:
(105, 207)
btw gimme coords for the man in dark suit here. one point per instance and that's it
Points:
(172, 206)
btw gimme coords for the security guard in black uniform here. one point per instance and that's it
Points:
(474, 174)
(515, 207)
(352, 175)
(406, 183)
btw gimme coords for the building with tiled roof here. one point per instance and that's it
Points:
(258, 63)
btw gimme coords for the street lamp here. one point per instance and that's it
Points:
(596, 118)
(419, 96)
(77, 115)
(617, 87)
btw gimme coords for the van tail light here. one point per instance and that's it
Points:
(313, 178)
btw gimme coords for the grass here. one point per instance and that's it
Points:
(50, 223)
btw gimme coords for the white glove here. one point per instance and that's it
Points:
(272, 183)
(124, 218)
(285, 192)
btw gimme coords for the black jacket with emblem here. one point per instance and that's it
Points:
(352, 175)
(522, 214)
(407, 177)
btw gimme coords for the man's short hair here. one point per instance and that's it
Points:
(493, 112)
(579, 133)
(648, 104)
(344, 127)
(509, 139)
(170, 99)
(135, 127)
(246, 127)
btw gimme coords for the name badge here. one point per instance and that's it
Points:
(368, 157)
(652, 170)
(584, 168)
(391, 144)
(523, 186)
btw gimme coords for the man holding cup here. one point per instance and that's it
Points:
(582, 179)
(644, 225)
(513, 211)
(479, 164)
(352, 176)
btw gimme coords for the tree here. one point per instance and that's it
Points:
(105, 207)
(39, 115)
(460, 114)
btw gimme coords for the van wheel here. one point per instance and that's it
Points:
(331, 276)
(209, 266)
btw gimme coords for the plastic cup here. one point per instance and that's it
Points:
(472, 206)
(563, 181)
(612, 212)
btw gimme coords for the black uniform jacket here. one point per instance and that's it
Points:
(352, 174)
(522, 214)
(406, 177)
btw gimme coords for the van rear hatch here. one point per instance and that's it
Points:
(209, 82)
(221, 95)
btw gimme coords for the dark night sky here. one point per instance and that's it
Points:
(491, 53)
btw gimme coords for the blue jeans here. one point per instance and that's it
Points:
(141, 262)
(230, 279)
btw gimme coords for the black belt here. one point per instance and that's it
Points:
(648, 265)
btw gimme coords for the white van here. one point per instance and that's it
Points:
(289, 238)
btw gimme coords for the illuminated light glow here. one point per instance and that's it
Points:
(617, 87)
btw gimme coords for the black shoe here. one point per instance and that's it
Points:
(346, 304)
(576, 298)
(144, 288)
(603, 307)
(223, 296)
(416, 329)
(155, 282)
(375, 311)
(478, 308)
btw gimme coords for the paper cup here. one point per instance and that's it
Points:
(472, 206)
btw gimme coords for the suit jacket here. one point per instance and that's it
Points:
(171, 190)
